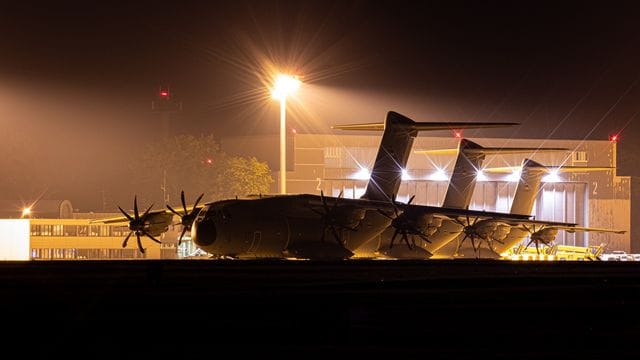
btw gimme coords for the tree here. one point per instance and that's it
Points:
(242, 176)
(195, 165)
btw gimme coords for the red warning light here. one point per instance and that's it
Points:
(457, 134)
(164, 94)
(614, 137)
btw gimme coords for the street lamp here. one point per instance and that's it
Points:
(284, 85)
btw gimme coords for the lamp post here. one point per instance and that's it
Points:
(284, 85)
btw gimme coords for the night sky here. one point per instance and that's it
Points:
(77, 78)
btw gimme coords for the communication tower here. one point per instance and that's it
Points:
(166, 106)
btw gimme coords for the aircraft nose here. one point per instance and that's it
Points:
(204, 232)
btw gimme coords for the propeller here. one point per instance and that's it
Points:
(405, 225)
(331, 219)
(476, 230)
(537, 237)
(138, 225)
(186, 218)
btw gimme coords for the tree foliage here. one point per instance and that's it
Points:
(196, 165)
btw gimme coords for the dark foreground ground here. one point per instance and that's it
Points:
(300, 309)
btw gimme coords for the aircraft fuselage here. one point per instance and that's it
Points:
(299, 226)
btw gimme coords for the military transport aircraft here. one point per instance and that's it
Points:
(282, 226)
(503, 237)
(433, 232)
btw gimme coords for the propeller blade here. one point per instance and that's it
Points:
(151, 237)
(335, 204)
(147, 212)
(393, 238)
(184, 229)
(139, 243)
(135, 207)
(406, 239)
(336, 236)
(529, 243)
(195, 204)
(173, 210)
(460, 243)
(125, 214)
(393, 202)
(184, 203)
(124, 243)
(324, 201)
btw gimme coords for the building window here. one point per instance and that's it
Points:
(332, 157)
(579, 156)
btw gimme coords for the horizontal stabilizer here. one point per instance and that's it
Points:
(548, 169)
(490, 151)
(426, 126)
(411, 125)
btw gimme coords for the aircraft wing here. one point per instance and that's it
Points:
(425, 210)
(569, 227)
(572, 229)
(125, 220)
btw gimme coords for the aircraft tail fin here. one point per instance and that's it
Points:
(468, 163)
(398, 135)
(531, 179)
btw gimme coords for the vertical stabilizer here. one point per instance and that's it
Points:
(395, 148)
(392, 157)
(464, 176)
(528, 187)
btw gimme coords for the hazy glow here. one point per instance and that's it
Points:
(362, 174)
(514, 176)
(439, 175)
(552, 177)
(481, 176)
(284, 86)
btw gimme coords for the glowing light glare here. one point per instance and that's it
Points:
(164, 93)
(480, 176)
(362, 174)
(439, 175)
(457, 134)
(552, 177)
(284, 86)
(405, 175)
(26, 212)
(514, 176)
(614, 137)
